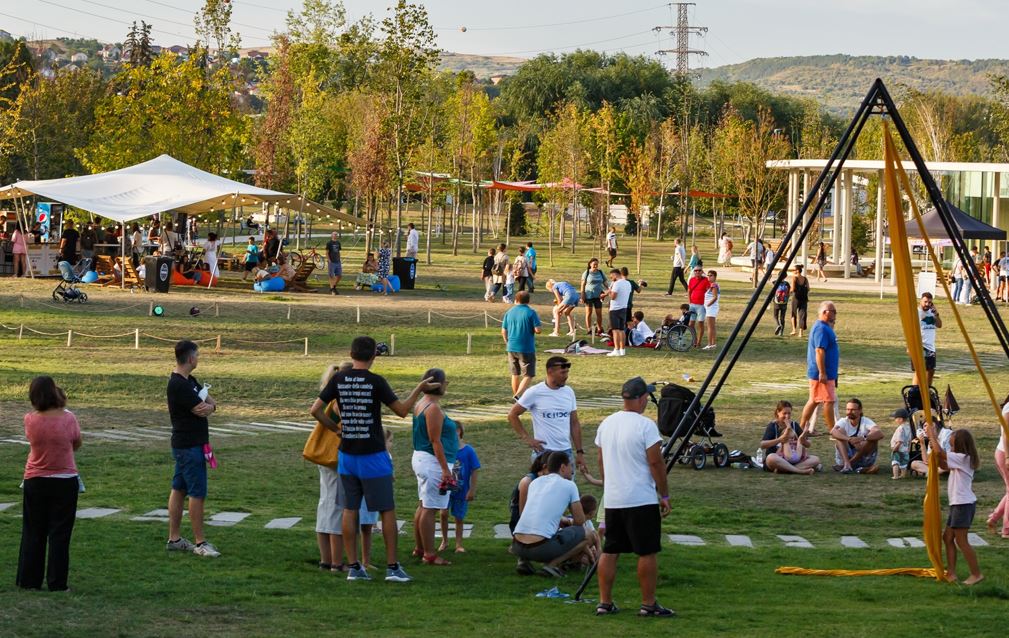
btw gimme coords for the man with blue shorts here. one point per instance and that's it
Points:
(333, 248)
(519, 328)
(364, 464)
(189, 405)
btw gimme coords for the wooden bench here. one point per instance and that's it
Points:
(299, 282)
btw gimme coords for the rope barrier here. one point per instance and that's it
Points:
(47, 334)
(80, 308)
(266, 343)
(125, 334)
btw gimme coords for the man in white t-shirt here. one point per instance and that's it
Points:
(412, 241)
(619, 293)
(929, 321)
(631, 465)
(556, 427)
(856, 441)
(538, 535)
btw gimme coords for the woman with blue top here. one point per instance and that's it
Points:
(435, 445)
(565, 300)
(593, 284)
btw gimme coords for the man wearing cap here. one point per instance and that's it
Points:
(697, 287)
(928, 319)
(556, 427)
(631, 466)
(900, 443)
(856, 439)
(823, 358)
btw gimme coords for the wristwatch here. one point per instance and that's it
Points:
(579, 451)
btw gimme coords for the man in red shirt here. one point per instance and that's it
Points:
(696, 287)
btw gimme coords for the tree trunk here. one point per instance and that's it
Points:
(560, 226)
(399, 210)
(574, 218)
(550, 240)
(455, 221)
(637, 244)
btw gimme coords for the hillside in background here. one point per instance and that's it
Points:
(482, 66)
(839, 82)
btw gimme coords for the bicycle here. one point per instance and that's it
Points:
(311, 255)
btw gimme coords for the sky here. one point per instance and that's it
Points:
(738, 30)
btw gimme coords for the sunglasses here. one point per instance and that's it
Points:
(562, 366)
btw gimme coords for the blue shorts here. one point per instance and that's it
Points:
(458, 507)
(367, 477)
(190, 471)
(570, 299)
(336, 269)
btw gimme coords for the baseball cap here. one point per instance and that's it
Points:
(900, 413)
(636, 388)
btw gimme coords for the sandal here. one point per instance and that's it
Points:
(436, 560)
(417, 553)
(655, 610)
(324, 566)
(606, 609)
(338, 569)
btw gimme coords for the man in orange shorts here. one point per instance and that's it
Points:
(822, 360)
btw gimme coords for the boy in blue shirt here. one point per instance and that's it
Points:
(458, 502)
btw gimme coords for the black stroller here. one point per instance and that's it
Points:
(695, 444)
(941, 411)
(66, 290)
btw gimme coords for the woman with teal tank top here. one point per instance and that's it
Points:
(593, 284)
(435, 445)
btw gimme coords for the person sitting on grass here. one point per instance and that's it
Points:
(920, 465)
(538, 535)
(856, 439)
(565, 301)
(786, 445)
(367, 277)
(638, 331)
(458, 502)
(900, 443)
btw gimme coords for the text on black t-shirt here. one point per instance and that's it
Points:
(360, 395)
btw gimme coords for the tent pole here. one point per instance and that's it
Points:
(22, 212)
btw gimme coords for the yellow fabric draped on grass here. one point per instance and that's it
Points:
(908, 305)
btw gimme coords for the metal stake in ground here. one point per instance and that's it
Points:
(589, 573)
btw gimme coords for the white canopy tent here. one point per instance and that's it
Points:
(161, 185)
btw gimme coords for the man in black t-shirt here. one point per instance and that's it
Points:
(333, 248)
(189, 405)
(68, 244)
(364, 463)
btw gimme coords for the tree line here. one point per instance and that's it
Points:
(359, 115)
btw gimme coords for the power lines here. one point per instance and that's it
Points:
(554, 24)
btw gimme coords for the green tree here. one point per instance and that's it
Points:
(638, 163)
(470, 135)
(168, 107)
(406, 57)
(272, 150)
(564, 157)
(212, 24)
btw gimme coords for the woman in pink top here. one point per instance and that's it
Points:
(20, 252)
(50, 487)
(1000, 515)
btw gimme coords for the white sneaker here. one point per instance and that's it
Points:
(180, 545)
(622, 353)
(206, 549)
(613, 353)
(554, 334)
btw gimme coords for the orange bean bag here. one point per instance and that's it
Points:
(178, 279)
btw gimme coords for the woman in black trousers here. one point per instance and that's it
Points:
(51, 484)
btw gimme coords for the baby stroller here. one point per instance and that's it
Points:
(940, 413)
(66, 290)
(673, 403)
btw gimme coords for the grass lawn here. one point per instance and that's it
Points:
(266, 582)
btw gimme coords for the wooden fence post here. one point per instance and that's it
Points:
(70, 337)
(469, 343)
(136, 338)
(306, 346)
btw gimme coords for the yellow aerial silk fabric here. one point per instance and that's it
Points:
(908, 306)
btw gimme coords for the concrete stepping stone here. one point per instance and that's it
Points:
(21, 441)
(159, 515)
(686, 539)
(738, 540)
(906, 541)
(853, 542)
(4, 506)
(227, 519)
(501, 531)
(96, 512)
(795, 541)
(976, 541)
(467, 530)
(283, 523)
(399, 526)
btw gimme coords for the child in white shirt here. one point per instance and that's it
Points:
(961, 461)
(900, 444)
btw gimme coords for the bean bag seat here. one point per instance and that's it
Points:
(90, 277)
(270, 285)
(178, 279)
(393, 282)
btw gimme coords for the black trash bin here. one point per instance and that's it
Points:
(158, 275)
(406, 269)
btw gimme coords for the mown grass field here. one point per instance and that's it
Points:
(266, 582)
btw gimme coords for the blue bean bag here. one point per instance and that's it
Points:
(90, 277)
(393, 282)
(269, 285)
